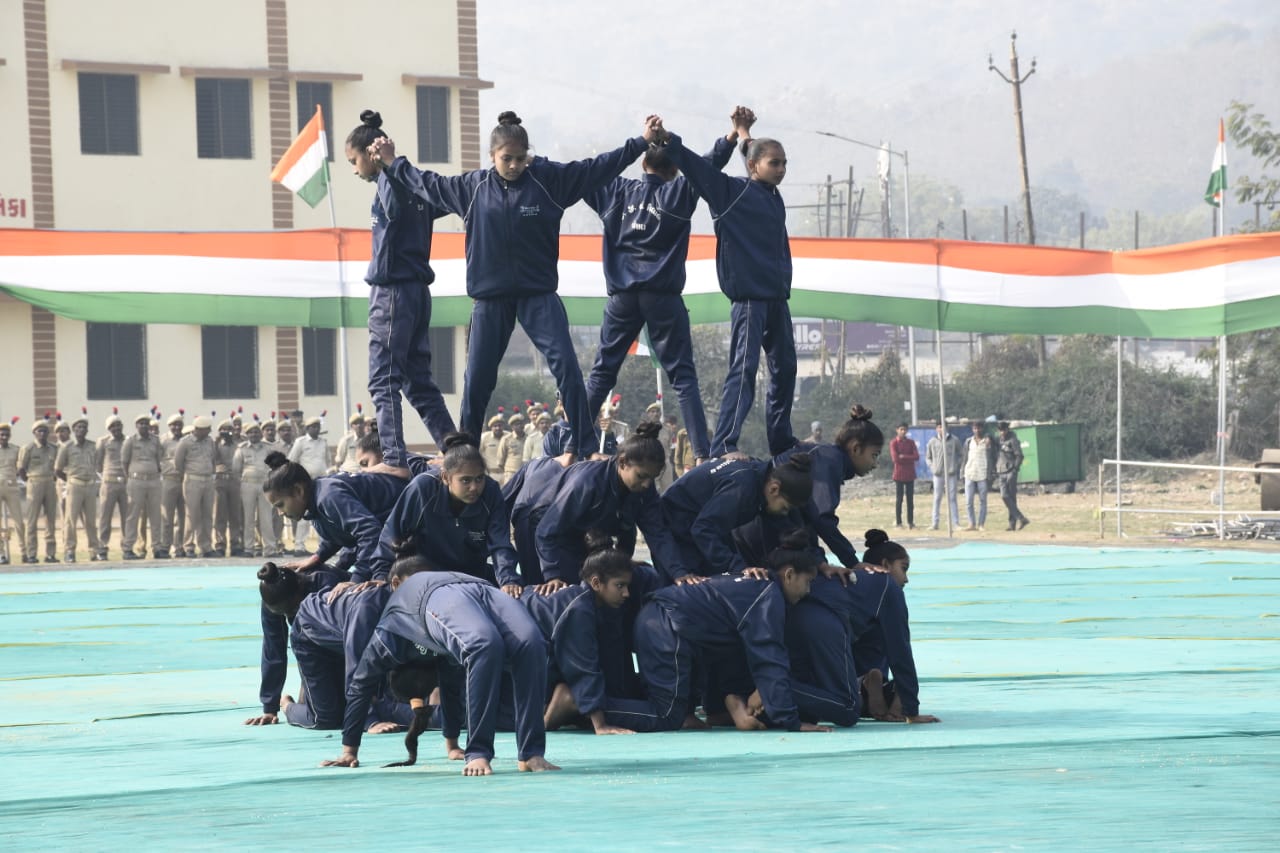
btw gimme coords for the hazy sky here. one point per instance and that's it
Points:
(1123, 107)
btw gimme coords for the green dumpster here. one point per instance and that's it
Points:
(1051, 453)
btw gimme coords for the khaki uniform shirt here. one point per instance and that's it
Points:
(196, 456)
(78, 462)
(9, 465)
(38, 461)
(141, 456)
(494, 450)
(109, 464)
(250, 462)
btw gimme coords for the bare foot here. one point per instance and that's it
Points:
(536, 764)
(723, 718)
(692, 722)
(285, 701)
(873, 702)
(742, 718)
(566, 459)
(755, 704)
(453, 753)
(561, 709)
(384, 468)
(385, 727)
(477, 767)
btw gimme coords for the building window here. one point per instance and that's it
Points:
(230, 362)
(442, 359)
(433, 124)
(108, 113)
(319, 361)
(311, 94)
(224, 129)
(117, 354)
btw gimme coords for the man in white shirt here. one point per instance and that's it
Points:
(310, 451)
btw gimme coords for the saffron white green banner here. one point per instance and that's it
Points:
(291, 278)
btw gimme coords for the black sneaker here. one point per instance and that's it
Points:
(190, 553)
(53, 559)
(70, 557)
(161, 555)
(97, 558)
(130, 555)
(209, 555)
(30, 560)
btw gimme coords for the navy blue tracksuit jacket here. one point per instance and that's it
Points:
(874, 608)
(704, 507)
(328, 640)
(275, 638)
(729, 615)
(831, 469)
(456, 539)
(532, 487)
(348, 511)
(590, 496)
(478, 632)
(570, 623)
(513, 227)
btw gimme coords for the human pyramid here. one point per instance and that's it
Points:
(456, 582)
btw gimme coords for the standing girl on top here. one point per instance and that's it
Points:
(753, 262)
(512, 216)
(646, 243)
(399, 278)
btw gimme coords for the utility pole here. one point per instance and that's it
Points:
(1016, 82)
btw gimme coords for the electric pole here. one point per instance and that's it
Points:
(1016, 81)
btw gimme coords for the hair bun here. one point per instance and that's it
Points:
(458, 439)
(596, 541)
(406, 547)
(275, 459)
(371, 118)
(508, 117)
(858, 412)
(648, 429)
(269, 573)
(801, 462)
(795, 540)
(876, 537)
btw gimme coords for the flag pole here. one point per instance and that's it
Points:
(342, 285)
(1222, 360)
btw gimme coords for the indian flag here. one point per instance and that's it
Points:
(304, 168)
(1218, 178)
(641, 346)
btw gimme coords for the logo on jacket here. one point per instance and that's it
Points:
(530, 209)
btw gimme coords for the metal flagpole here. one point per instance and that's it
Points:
(1222, 391)
(342, 285)
(1119, 428)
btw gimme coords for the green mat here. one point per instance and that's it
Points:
(1106, 699)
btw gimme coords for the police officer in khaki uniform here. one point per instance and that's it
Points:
(115, 491)
(77, 466)
(13, 509)
(195, 460)
(141, 457)
(493, 447)
(173, 510)
(35, 465)
(282, 441)
(344, 458)
(250, 465)
(228, 511)
(515, 448)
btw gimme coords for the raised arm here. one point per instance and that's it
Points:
(568, 183)
(451, 194)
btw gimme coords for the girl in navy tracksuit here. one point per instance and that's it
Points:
(328, 638)
(590, 665)
(399, 278)
(646, 242)
(829, 632)
(512, 216)
(753, 262)
(345, 510)
(854, 453)
(474, 633)
(455, 514)
(614, 496)
(527, 496)
(730, 617)
(704, 506)
(275, 641)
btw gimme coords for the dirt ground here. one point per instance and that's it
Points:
(1062, 518)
